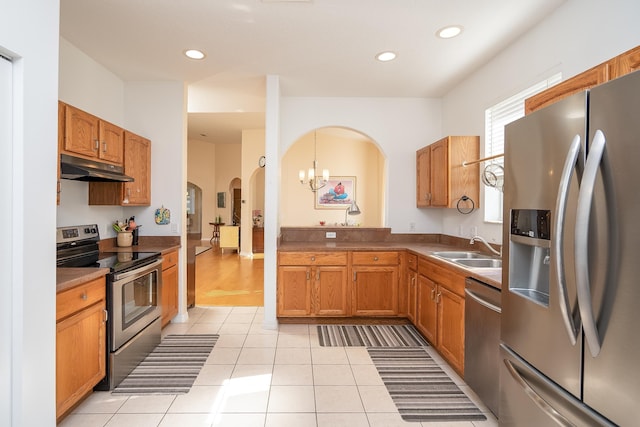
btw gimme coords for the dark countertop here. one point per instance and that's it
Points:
(490, 276)
(67, 278)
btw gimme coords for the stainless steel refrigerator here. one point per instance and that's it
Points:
(570, 327)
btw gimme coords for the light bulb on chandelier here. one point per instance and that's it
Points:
(314, 181)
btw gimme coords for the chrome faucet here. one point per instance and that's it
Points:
(474, 238)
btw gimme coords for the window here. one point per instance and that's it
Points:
(496, 118)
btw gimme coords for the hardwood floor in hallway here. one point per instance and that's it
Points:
(228, 279)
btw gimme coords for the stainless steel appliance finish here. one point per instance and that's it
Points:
(481, 341)
(134, 295)
(79, 169)
(576, 346)
(135, 301)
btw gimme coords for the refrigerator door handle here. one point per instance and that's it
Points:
(558, 241)
(535, 397)
(585, 198)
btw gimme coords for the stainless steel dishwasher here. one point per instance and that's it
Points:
(481, 342)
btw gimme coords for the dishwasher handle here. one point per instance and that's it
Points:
(477, 298)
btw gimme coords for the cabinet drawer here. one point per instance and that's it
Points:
(80, 297)
(169, 260)
(374, 258)
(313, 258)
(412, 262)
(441, 275)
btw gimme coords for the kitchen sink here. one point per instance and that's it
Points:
(461, 255)
(479, 263)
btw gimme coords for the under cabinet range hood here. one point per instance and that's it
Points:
(79, 169)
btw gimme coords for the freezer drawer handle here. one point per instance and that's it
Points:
(535, 397)
(482, 301)
(585, 198)
(558, 242)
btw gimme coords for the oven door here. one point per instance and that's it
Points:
(135, 303)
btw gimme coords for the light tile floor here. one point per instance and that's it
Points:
(266, 378)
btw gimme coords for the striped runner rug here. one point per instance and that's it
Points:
(171, 368)
(421, 390)
(370, 336)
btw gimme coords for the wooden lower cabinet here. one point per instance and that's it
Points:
(169, 286)
(440, 316)
(375, 290)
(312, 284)
(80, 342)
(412, 287)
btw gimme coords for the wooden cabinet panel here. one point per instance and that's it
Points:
(169, 298)
(626, 63)
(294, 291)
(374, 258)
(80, 342)
(313, 258)
(80, 355)
(257, 240)
(423, 177)
(412, 262)
(137, 164)
(80, 132)
(80, 297)
(442, 180)
(330, 291)
(451, 327)
(582, 81)
(111, 142)
(375, 291)
(412, 295)
(440, 315)
(427, 309)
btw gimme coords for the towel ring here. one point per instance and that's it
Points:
(464, 199)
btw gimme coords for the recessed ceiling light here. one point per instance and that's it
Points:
(449, 32)
(386, 56)
(194, 54)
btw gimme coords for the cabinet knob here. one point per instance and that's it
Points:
(313, 258)
(375, 258)
(83, 297)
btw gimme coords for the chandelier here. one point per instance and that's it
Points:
(312, 178)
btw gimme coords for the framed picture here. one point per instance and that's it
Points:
(339, 192)
(221, 199)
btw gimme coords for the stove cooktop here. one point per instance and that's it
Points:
(119, 261)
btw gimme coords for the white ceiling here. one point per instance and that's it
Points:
(317, 47)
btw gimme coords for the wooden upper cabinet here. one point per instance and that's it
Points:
(442, 180)
(111, 142)
(626, 63)
(85, 135)
(618, 66)
(137, 164)
(586, 80)
(80, 133)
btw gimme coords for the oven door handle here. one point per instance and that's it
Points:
(138, 272)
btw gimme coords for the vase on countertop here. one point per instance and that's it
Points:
(124, 238)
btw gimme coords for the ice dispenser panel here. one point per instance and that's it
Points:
(530, 243)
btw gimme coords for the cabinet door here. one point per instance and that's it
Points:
(375, 291)
(330, 291)
(626, 63)
(137, 164)
(427, 309)
(169, 294)
(111, 142)
(451, 328)
(294, 291)
(412, 295)
(80, 132)
(423, 177)
(80, 355)
(440, 173)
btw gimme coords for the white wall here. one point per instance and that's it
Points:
(399, 126)
(578, 36)
(29, 34)
(253, 189)
(201, 156)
